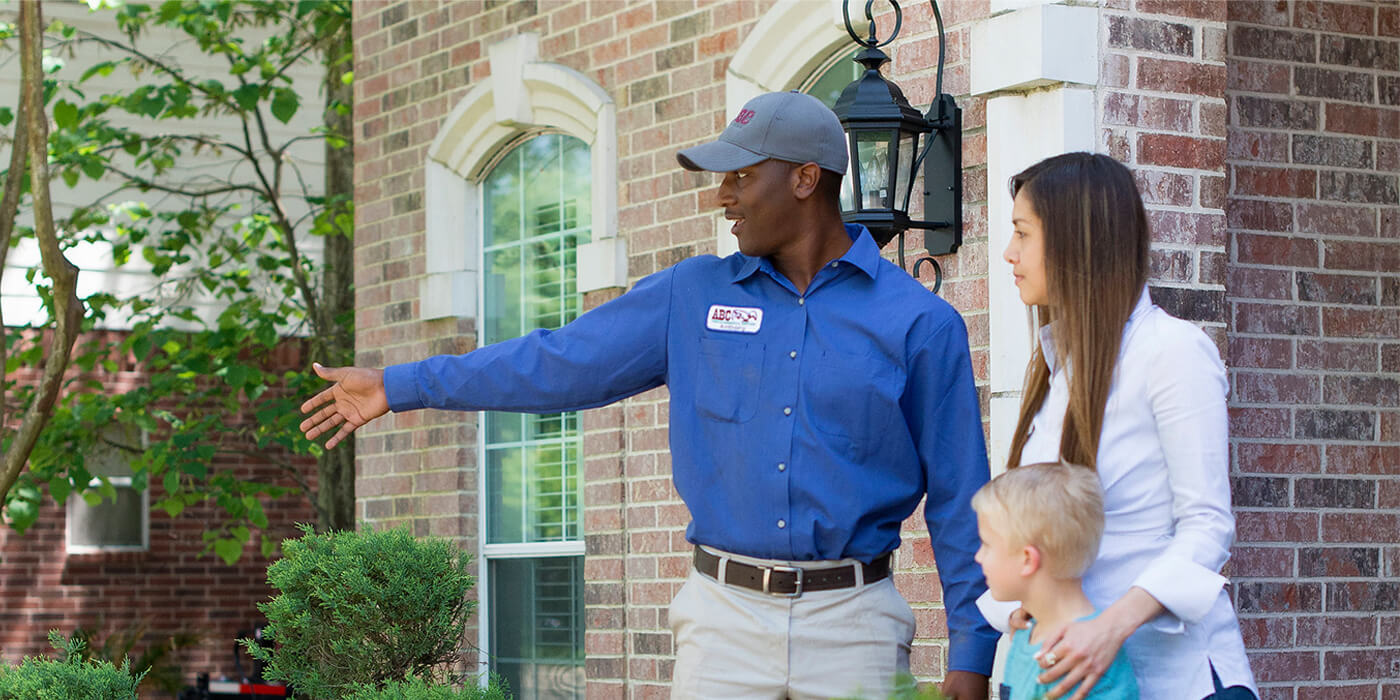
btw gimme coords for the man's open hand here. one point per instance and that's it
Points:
(356, 398)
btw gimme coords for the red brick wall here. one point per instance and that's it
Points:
(663, 63)
(170, 588)
(1314, 325)
(1162, 107)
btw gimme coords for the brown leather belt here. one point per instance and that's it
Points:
(790, 581)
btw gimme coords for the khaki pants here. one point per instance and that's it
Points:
(734, 643)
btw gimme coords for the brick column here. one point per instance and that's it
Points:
(1314, 280)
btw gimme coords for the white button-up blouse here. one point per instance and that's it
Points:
(1163, 462)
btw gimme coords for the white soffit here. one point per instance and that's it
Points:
(1035, 46)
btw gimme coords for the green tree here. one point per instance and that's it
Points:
(28, 174)
(235, 238)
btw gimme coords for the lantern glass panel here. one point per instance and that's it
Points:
(873, 156)
(848, 199)
(907, 143)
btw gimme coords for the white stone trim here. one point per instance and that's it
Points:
(523, 93)
(1036, 46)
(765, 62)
(1021, 129)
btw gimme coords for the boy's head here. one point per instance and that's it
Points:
(1040, 517)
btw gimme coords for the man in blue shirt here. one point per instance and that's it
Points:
(818, 393)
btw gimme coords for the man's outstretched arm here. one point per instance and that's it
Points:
(609, 353)
(356, 398)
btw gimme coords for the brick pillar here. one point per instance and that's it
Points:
(1314, 280)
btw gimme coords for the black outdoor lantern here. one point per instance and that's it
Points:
(883, 138)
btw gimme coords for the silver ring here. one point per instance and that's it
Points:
(1049, 658)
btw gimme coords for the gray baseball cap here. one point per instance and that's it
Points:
(788, 126)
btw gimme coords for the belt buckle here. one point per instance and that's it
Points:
(797, 588)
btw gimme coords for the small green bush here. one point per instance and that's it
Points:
(70, 678)
(358, 609)
(158, 661)
(415, 688)
(906, 687)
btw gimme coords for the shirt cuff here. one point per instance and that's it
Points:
(972, 651)
(997, 613)
(401, 387)
(1186, 589)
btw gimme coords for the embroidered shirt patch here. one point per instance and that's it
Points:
(734, 319)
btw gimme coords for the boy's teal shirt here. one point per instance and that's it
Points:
(1019, 681)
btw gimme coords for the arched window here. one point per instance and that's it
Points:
(827, 82)
(521, 204)
(535, 214)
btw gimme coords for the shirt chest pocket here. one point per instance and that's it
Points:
(853, 398)
(727, 378)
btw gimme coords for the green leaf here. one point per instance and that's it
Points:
(92, 499)
(247, 97)
(7, 115)
(94, 168)
(59, 488)
(70, 177)
(230, 550)
(104, 69)
(284, 104)
(65, 114)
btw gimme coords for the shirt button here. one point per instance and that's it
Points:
(787, 410)
(782, 524)
(793, 354)
(782, 466)
(801, 301)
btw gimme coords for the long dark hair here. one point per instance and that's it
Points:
(1096, 257)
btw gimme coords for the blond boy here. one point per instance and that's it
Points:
(1040, 526)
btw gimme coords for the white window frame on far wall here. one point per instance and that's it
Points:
(76, 505)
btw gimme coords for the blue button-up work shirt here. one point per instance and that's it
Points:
(806, 431)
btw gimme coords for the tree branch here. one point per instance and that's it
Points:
(67, 310)
(158, 65)
(9, 210)
(274, 200)
(143, 183)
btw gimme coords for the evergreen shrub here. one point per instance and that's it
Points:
(69, 678)
(362, 609)
(415, 688)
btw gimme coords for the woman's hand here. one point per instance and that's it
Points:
(1081, 652)
(1019, 620)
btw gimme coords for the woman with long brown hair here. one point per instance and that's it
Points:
(1118, 385)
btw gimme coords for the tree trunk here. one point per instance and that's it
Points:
(335, 497)
(67, 310)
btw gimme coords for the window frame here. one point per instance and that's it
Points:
(522, 550)
(75, 502)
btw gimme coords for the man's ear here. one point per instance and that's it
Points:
(804, 180)
(1030, 560)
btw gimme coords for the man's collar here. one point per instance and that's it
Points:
(863, 254)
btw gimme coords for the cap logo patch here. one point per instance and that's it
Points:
(734, 319)
(745, 116)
